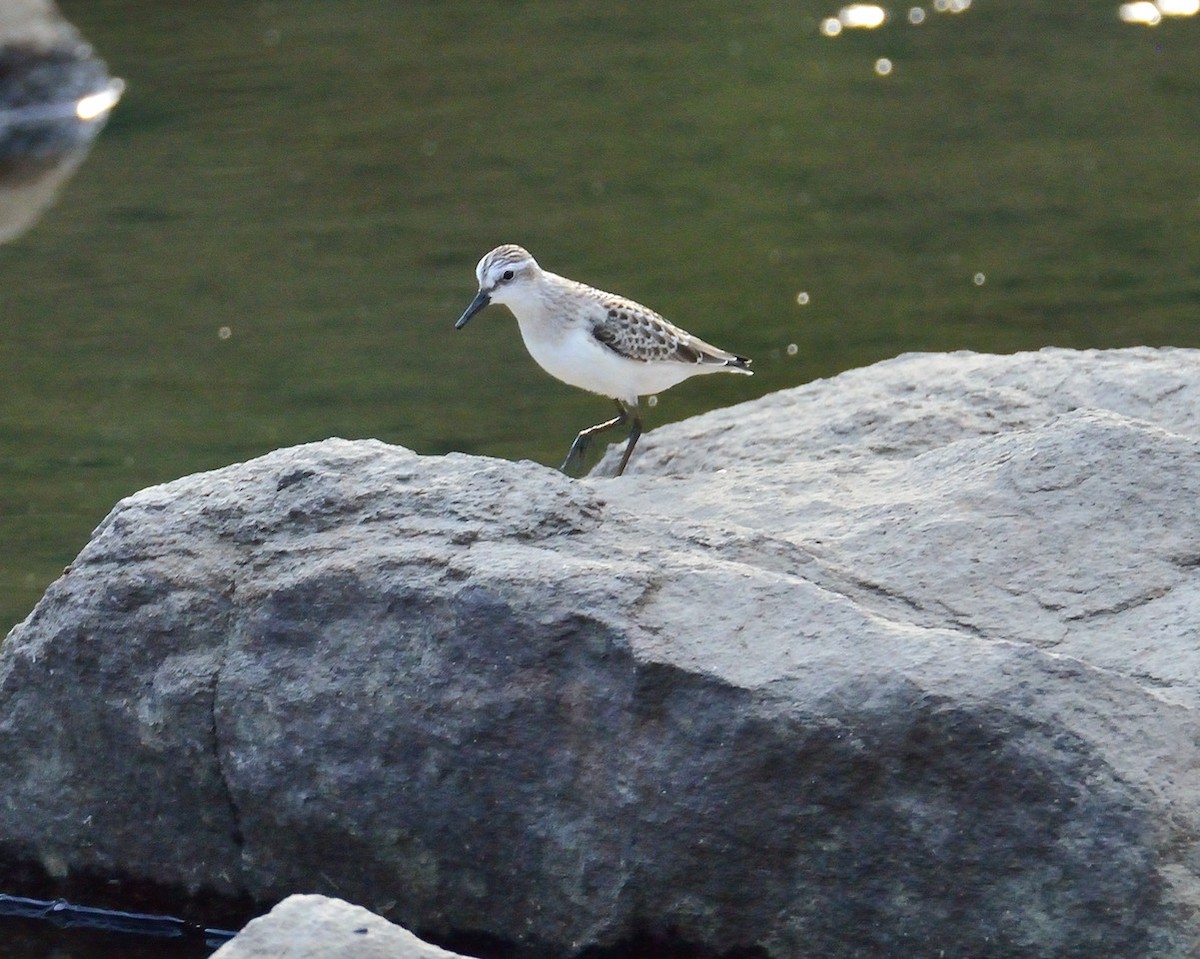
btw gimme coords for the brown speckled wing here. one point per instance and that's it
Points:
(641, 334)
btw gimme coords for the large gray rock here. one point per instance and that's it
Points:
(899, 663)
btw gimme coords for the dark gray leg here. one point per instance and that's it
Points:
(634, 432)
(575, 453)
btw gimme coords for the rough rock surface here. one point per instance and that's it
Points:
(316, 927)
(899, 663)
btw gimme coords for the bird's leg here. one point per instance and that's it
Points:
(585, 436)
(634, 432)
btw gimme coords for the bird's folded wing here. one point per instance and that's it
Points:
(640, 334)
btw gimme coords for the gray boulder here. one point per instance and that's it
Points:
(898, 663)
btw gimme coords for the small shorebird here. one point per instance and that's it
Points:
(594, 340)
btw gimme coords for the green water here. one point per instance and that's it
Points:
(273, 237)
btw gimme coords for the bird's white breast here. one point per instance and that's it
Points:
(570, 353)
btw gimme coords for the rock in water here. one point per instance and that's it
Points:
(899, 663)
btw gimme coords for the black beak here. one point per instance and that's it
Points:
(481, 300)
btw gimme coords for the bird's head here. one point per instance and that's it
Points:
(505, 275)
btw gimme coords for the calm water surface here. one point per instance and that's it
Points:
(272, 239)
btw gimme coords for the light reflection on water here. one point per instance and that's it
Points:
(870, 16)
(856, 16)
(1151, 14)
(96, 105)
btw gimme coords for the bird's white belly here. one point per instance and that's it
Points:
(579, 360)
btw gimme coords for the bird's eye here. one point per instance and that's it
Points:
(508, 274)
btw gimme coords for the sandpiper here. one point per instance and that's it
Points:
(597, 341)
